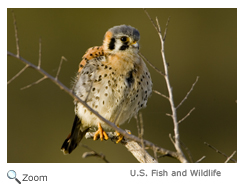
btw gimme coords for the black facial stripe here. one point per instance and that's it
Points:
(111, 45)
(124, 46)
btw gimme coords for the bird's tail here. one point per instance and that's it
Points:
(74, 137)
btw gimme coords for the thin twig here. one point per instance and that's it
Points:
(199, 160)
(61, 61)
(188, 151)
(21, 71)
(171, 139)
(36, 82)
(229, 158)
(40, 53)
(156, 69)
(157, 92)
(141, 134)
(186, 115)
(188, 93)
(16, 36)
(159, 26)
(218, 151)
(166, 28)
(151, 20)
(93, 153)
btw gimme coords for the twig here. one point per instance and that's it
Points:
(16, 36)
(229, 158)
(188, 151)
(151, 20)
(58, 72)
(141, 135)
(188, 93)
(218, 151)
(36, 82)
(21, 71)
(186, 115)
(199, 160)
(93, 153)
(171, 139)
(157, 92)
(40, 53)
(156, 69)
(166, 28)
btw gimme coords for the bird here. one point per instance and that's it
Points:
(114, 80)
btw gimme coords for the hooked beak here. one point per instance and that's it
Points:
(135, 44)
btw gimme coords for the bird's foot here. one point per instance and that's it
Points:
(100, 132)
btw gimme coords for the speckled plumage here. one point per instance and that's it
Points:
(114, 80)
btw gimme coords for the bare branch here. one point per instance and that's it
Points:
(155, 26)
(58, 72)
(188, 151)
(218, 151)
(21, 71)
(186, 115)
(157, 92)
(141, 133)
(188, 93)
(158, 26)
(199, 160)
(40, 53)
(16, 36)
(171, 139)
(166, 28)
(133, 147)
(156, 69)
(169, 88)
(93, 153)
(229, 158)
(36, 82)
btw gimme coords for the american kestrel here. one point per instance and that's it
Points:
(114, 80)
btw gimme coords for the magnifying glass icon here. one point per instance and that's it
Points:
(12, 175)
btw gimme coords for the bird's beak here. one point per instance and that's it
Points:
(135, 44)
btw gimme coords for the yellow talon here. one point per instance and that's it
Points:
(101, 133)
(120, 137)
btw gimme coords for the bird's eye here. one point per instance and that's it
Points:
(124, 39)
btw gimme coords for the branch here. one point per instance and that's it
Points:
(36, 82)
(229, 158)
(17, 75)
(171, 99)
(199, 160)
(157, 92)
(188, 93)
(156, 69)
(16, 36)
(93, 153)
(220, 152)
(58, 72)
(133, 147)
(186, 115)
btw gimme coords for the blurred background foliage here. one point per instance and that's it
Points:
(200, 42)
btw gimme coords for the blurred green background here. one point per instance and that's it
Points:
(200, 42)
